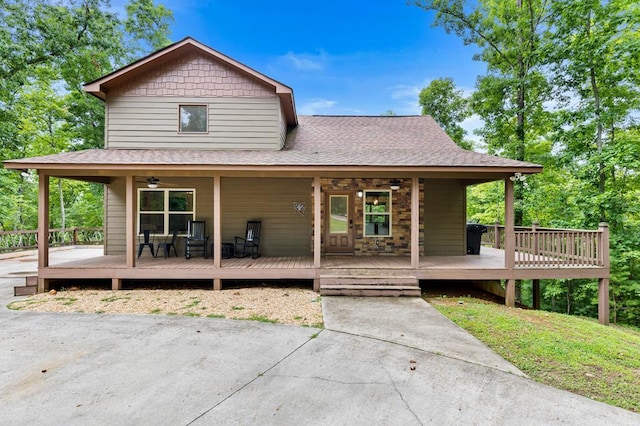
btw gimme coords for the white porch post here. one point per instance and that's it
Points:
(217, 229)
(130, 206)
(509, 241)
(43, 229)
(415, 223)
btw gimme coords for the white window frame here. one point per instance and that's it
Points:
(166, 212)
(387, 213)
(183, 132)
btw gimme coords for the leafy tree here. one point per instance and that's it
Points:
(47, 51)
(448, 107)
(509, 35)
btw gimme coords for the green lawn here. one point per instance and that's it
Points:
(566, 352)
(338, 224)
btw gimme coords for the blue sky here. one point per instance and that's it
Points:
(339, 56)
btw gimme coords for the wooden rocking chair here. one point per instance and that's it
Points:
(196, 238)
(249, 245)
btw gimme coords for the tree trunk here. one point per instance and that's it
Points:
(599, 128)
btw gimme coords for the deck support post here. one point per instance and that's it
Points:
(603, 301)
(510, 293)
(316, 284)
(535, 286)
(217, 284)
(116, 284)
(415, 223)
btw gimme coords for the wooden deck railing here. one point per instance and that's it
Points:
(549, 247)
(25, 240)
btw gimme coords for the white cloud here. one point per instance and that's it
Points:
(313, 107)
(402, 91)
(307, 61)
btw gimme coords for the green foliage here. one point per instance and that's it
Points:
(562, 89)
(448, 107)
(48, 50)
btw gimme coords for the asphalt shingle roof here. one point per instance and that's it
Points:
(381, 141)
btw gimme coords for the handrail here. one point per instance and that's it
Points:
(552, 247)
(27, 240)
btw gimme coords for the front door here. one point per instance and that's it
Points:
(339, 223)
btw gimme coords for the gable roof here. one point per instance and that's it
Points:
(340, 143)
(100, 87)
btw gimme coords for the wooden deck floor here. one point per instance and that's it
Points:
(489, 265)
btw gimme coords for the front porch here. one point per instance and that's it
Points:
(488, 265)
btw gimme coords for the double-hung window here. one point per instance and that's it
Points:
(163, 211)
(377, 213)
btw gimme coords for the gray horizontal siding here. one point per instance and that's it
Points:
(284, 232)
(445, 218)
(115, 220)
(136, 122)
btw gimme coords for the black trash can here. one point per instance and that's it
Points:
(474, 235)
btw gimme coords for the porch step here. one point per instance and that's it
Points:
(28, 289)
(335, 285)
(370, 290)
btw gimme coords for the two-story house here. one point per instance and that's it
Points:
(358, 205)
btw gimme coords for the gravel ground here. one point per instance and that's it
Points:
(279, 305)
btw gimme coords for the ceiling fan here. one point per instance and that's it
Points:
(153, 183)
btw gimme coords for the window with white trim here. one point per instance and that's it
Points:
(377, 213)
(193, 119)
(163, 211)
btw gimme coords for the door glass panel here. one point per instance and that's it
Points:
(339, 208)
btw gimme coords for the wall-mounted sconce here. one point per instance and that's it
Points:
(518, 177)
(394, 184)
(360, 194)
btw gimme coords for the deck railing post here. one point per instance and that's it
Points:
(603, 283)
(496, 235)
(75, 236)
(534, 235)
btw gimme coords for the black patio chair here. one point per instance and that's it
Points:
(196, 238)
(166, 246)
(249, 245)
(146, 242)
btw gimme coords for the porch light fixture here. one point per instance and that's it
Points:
(394, 184)
(518, 177)
(25, 173)
(152, 182)
(360, 193)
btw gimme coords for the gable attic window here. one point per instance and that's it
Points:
(193, 119)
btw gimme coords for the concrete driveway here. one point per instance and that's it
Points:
(378, 361)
